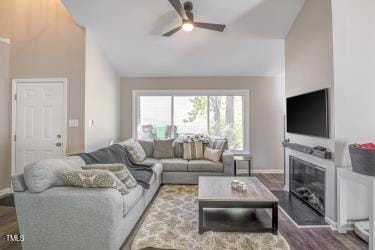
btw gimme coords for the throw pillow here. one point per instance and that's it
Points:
(148, 147)
(163, 149)
(218, 144)
(178, 149)
(193, 150)
(94, 179)
(120, 170)
(135, 150)
(212, 154)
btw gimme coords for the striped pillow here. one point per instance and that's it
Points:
(193, 150)
(219, 144)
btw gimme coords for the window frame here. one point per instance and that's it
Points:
(136, 94)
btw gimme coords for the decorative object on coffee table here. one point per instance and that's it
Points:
(172, 223)
(217, 199)
(239, 158)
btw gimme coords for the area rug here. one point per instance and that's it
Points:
(172, 223)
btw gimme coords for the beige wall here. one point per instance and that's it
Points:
(5, 117)
(266, 109)
(46, 42)
(102, 98)
(309, 67)
(308, 49)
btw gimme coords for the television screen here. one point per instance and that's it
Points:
(307, 114)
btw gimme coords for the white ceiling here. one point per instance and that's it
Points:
(129, 31)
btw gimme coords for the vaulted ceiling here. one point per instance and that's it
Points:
(129, 32)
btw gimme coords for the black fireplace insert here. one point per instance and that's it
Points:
(307, 182)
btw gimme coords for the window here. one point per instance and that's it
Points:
(155, 110)
(167, 114)
(190, 114)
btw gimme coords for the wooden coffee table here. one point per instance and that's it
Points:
(223, 209)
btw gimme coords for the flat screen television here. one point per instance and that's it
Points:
(307, 114)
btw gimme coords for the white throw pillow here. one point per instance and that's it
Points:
(212, 154)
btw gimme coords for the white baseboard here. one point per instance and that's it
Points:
(267, 171)
(5, 191)
(332, 223)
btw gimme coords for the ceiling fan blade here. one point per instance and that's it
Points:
(169, 33)
(179, 8)
(210, 26)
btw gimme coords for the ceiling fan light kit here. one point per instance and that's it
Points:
(188, 24)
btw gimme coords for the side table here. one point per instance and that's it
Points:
(239, 158)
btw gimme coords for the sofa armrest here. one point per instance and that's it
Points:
(228, 163)
(69, 218)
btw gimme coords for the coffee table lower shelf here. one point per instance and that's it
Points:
(237, 217)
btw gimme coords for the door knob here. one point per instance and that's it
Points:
(58, 136)
(58, 144)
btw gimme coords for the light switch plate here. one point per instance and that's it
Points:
(73, 124)
(91, 123)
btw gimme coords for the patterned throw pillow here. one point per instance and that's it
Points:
(120, 170)
(135, 149)
(94, 179)
(212, 154)
(193, 150)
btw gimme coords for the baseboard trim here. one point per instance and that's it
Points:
(332, 223)
(5, 191)
(267, 171)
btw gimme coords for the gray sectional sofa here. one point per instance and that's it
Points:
(54, 216)
(179, 171)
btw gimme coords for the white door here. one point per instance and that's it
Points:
(39, 128)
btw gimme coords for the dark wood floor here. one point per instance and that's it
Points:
(319, 239)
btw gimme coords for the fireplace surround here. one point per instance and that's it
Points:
(307, 182)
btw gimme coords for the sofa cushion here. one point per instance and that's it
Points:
(130, 199)
(94, 179)
(163, 149)
(174, 165)
(205, 166)
(45, 174)
(148, 147)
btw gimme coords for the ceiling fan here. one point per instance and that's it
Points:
(187, 16)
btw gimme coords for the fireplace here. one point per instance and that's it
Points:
(307, 182)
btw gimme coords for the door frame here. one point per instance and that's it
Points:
(64, 81)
